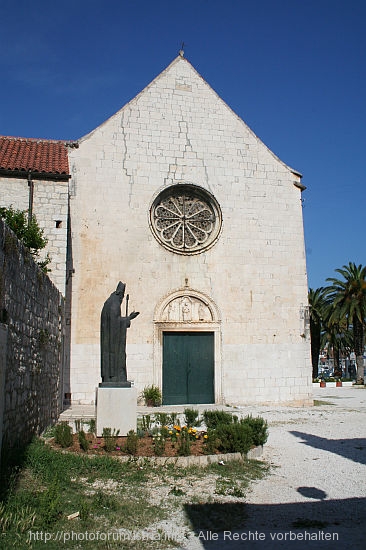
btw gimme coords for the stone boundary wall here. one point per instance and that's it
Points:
(32, 314)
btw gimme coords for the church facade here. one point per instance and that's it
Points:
(176, 197)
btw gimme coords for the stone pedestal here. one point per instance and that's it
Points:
(116, 409)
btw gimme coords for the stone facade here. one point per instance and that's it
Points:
(50, 206)
(32, 311)
(175, 196)
(251, 282)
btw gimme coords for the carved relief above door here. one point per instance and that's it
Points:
(186, 309)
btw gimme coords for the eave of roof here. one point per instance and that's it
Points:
(42, 158)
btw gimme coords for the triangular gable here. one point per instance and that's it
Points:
(181, 59)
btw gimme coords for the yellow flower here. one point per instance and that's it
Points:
(205, 436)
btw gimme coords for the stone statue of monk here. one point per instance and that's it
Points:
(113, 332)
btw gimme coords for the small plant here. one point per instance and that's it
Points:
(191, 417)
(27, 231)
(84, 509)
(159, 444)
(50, 504)
(63, 434)
(83, 442)
(131, 443)
(173, 419)
(152, 396)
(92, 426)
(184, 442)
(162, 419)
(210, 442)
(176, 491)
(110, 438)
(144, 423)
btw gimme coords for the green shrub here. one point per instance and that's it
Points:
(159, 444)
(191, 418)
(92, 426)
(131, 443)
(233, 438)
(184, 446)
(83, 442)
(29, 232)
(259, 429)
(214, 418)
(210, 442)
(110, 439)
(63, 434)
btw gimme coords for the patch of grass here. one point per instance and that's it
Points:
(319, 403)
(176, 491)
(110, 495)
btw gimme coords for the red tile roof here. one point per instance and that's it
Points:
(38, 155)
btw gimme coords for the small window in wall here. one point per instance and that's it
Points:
(58, 224)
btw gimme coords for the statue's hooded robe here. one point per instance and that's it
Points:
(113, 330)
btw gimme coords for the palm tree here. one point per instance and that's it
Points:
(317, 310)
(336, 338)
(349, 302)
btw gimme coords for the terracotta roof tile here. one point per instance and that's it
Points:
(37, 155)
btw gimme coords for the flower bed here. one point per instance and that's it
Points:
(161, 435)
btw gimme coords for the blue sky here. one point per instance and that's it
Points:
(293, 70)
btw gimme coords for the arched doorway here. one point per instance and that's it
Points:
(187, 357)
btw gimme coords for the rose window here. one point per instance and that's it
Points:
(185, 219)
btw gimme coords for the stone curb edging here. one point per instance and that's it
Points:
(191, 460)
(183, 461)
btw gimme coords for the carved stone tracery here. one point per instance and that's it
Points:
(185, 218)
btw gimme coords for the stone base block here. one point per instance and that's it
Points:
(116, 409)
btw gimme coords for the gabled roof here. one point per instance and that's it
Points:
(40, 156)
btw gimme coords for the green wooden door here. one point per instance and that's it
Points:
(188, 367)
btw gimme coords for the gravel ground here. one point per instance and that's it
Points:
(318, 456)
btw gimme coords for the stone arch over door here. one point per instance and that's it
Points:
(188, 312)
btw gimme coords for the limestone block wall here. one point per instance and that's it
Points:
(32, 313)
(178, 131)
(50, 206)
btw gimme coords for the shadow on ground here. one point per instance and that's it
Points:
(316, 524)
(353, 449)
